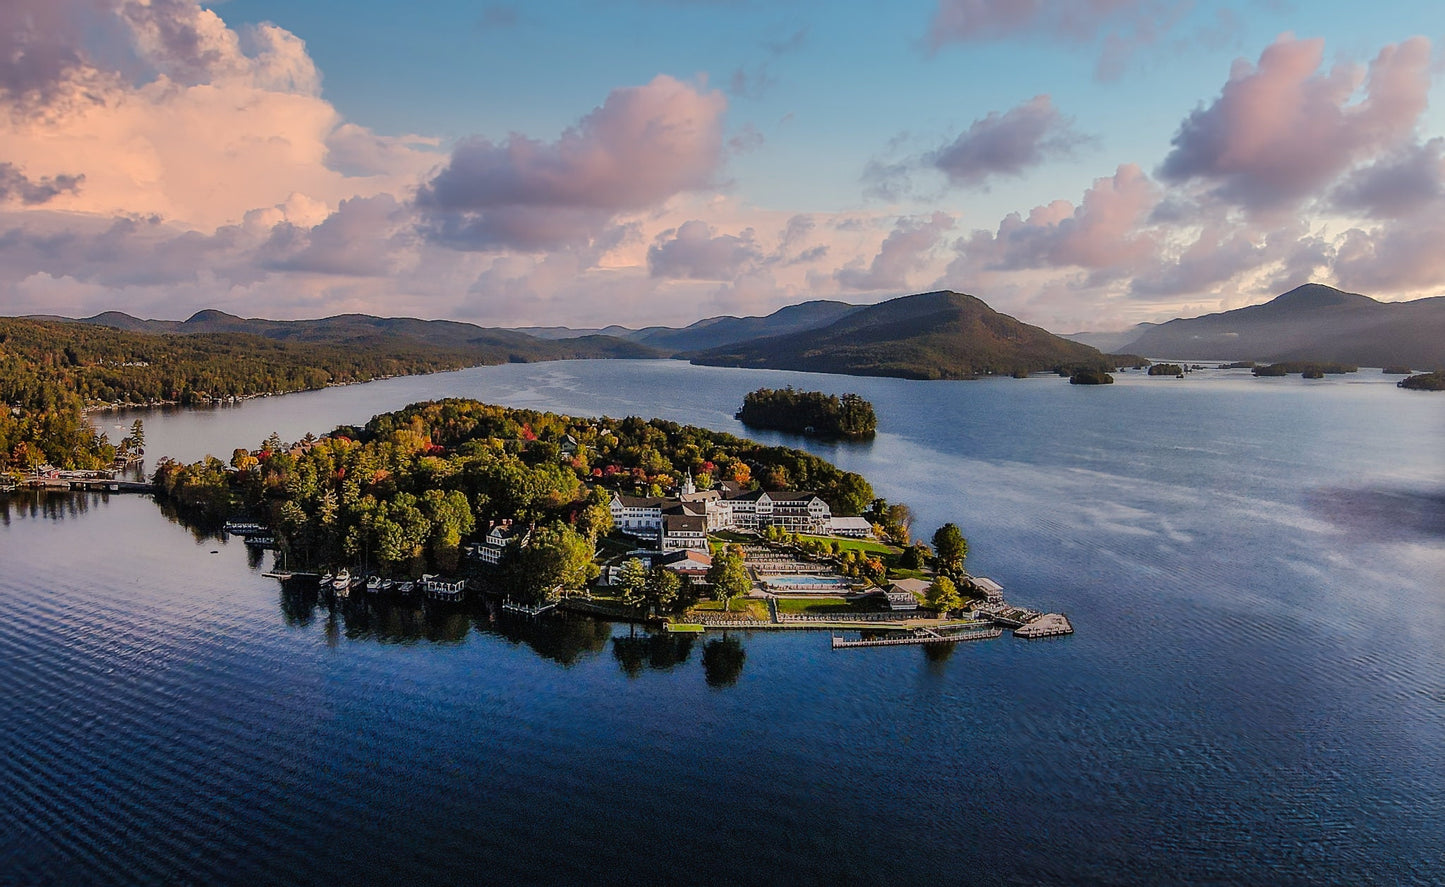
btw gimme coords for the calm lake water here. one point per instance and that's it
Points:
(1255, 693)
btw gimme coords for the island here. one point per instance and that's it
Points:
(1090, 376)
(1424, 382)
(1166, 369)
(808, 412)
(625, 519)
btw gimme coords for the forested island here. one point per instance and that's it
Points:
(1309, 369)
(1424, 382)
(808, 412)
(1086, 376)
(403, 493)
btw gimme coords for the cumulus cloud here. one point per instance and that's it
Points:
(1397, 184)
(1102, 232)
(906, 250)
(365, 237)
(1283, 130)
(167, 111)
(1006, 144)
(997, 145)
(642, 146)
(696, 252)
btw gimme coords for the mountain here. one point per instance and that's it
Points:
(714, 332)
(1109, 342)
(488, 345)
(939, 335)
(1309, 323)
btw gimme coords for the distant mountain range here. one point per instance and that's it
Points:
(1309, 323)
(488, 345)
(714, 332)
(938, 335)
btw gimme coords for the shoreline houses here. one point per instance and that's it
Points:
(682, 523)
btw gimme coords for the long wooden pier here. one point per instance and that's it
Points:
(927, 638)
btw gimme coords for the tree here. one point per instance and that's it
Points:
(632, 582)
(728, 577)
(138, 435)
(662, 589)
(943, 595)
(950, 548)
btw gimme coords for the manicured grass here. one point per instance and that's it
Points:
(741, 606)
(825, 606)
(812, 605)
(864, 545)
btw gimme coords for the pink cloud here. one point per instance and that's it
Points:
(642, 146)
(1282, 130)
(1102, 233)
(696, 252)
(906, 250)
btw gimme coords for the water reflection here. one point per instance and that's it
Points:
(659, 652)
(563, 638)
(45, 505)
(722, 661)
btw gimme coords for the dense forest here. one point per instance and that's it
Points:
(404, 493)
(51, 370)
(808, 412)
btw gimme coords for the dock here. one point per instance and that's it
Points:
(927, 636)
(511, 606)
(1049, 625)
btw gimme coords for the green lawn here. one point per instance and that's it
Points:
(864, 545)
(757, 609)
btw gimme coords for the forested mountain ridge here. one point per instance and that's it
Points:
(1312, 322)
(715, 332)
(51, 369)
(938, 335)
(493, 345)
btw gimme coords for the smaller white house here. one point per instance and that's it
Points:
(491, 549)
(991, 589)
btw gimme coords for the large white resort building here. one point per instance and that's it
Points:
(683, 523)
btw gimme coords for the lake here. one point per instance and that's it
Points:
(1255, 569)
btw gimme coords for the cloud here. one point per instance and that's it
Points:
(164, 110)
(695, 252)
(1397, 184)
(1101, 233)
(906, 250)
(1006, 144)
(16, 186)
(1123, 26)
(997, 145)
(1282, 131)
(642, 146)
(362, 238)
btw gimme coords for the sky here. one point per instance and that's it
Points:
(1079, 164)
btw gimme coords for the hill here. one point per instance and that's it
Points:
(1309, 323)
(462, 341)
(939, 335)
(715, 332)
